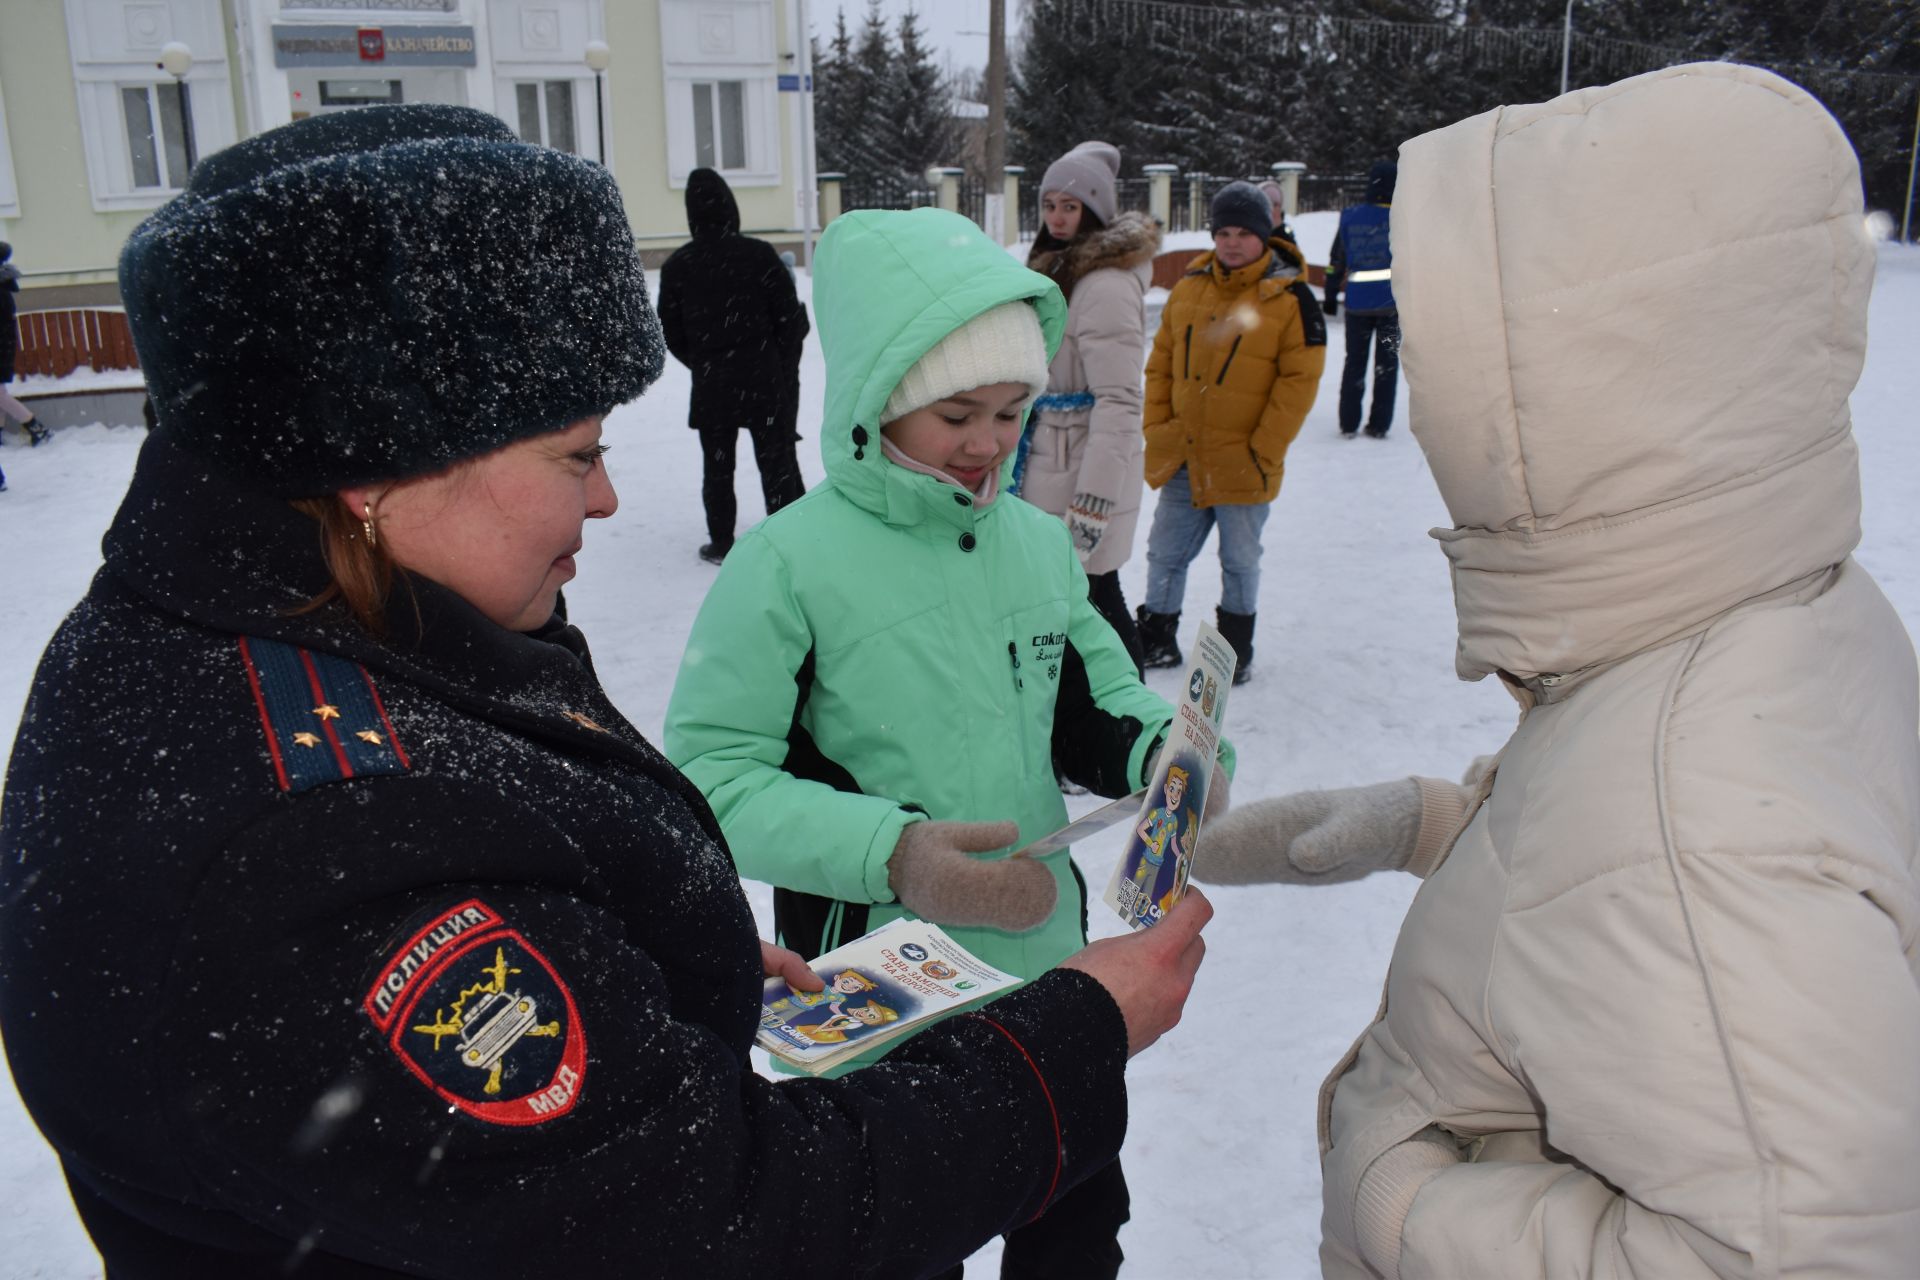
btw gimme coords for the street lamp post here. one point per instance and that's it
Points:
(1566, 46)
(176, 59)
(599, 58)
(1913, 166)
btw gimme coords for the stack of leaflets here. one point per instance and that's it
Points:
(879, 987)
(1152, 873)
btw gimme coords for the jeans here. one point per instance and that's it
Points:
(1180, 530)
(1383, 333)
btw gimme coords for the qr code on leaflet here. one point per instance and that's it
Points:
(1128, 893)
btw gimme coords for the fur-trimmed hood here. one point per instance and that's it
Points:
(1130, 241)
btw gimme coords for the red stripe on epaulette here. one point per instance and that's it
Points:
(393, 739)
(266, 721)
(326, 725)
(1053, 1111)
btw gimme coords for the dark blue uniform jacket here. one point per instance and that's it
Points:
(328, 956)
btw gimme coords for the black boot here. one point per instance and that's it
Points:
(1237, 628)
(37, 431)
(1158, 648)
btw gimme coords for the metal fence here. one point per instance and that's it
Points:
(884, 192)
(1192, 194)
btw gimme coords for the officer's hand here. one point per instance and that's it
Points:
(778, 962)
(1149, 974)
(1331, 306)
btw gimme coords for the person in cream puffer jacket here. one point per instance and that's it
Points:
(1655, 1011)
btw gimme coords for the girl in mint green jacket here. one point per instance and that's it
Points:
(887, 672)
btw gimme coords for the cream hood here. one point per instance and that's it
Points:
(1633, 316)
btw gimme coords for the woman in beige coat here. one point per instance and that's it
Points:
(1655, 1011)
(1081, 459)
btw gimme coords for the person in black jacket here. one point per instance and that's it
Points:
(730, 314)
(346, 928)
(9, 351)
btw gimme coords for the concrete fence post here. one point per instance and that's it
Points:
(830, 196)
(947, 180)
(1287, 174)
(1010, 209)
(1160, 192)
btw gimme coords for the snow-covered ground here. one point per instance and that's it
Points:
(1355, 683)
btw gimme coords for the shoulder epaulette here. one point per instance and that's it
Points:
(323, 717)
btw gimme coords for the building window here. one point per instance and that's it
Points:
(9, 191)
(359, 93)
(156, 134)
(134, 135)
(719, 124)
(545, 108)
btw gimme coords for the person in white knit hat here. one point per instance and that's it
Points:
(887, 672)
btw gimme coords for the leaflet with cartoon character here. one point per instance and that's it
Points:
(1153, 871)
(879, 987)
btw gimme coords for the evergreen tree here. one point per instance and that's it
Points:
(834, 112)
(1230, 86)
(916, 105)
(1062, 90)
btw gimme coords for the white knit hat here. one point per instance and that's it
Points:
(1001, 345)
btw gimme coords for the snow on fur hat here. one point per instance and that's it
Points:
(377, 293)
(1087, 173)
(1243, 205)
(1001, 344)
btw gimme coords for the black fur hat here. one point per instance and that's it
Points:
(381, 292)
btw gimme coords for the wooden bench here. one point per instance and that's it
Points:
(55, 343)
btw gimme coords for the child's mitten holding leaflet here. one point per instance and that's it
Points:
(935, 875)
(1323, 837)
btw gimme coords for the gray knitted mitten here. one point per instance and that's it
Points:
(1325, 837)
(934, 875)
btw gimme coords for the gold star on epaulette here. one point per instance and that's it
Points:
(583, 721)
(368, 735)
(307, 739)
(327, 711)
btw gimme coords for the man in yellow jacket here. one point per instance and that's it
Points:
(1234, 369)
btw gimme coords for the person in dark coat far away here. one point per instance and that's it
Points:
(347, 929)
(730, 314)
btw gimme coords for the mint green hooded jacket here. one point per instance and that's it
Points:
(882, 652)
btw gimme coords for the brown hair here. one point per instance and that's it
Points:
(361, 571)
(1053, 257)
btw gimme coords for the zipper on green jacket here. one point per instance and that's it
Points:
(1019, 710)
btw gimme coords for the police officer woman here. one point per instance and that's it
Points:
(346, 928)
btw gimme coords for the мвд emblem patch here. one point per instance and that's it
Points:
(482, 1019)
